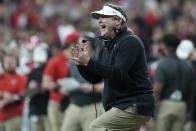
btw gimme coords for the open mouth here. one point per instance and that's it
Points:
(102, 26)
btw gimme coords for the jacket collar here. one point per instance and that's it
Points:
(122, 32)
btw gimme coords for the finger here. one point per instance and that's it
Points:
(86, 46)
(74, 51)
(75, 60)
(80, 48)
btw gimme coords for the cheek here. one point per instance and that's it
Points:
(111, 25)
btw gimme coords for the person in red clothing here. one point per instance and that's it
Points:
(12, 87)
(58, 68)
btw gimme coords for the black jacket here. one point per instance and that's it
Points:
(38, 103)
(122, 65)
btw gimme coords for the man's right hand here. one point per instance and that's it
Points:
(80, 54)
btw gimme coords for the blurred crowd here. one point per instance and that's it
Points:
(35, 42)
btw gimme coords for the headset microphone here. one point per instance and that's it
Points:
(116, 30)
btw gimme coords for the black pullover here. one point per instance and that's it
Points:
(122, 65)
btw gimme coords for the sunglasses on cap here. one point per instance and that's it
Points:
(84, 41)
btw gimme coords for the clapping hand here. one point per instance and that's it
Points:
(80, 54)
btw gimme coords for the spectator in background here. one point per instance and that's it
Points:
(192, 122)
(2, 53)
(173, 77)
(58, 68)
(185, 51)
(38, 96)
(193, 100)
(82, 109)
(12, 86)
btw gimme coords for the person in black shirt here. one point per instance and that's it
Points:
(128, 96)
(193, 101)
(85, 102)
(38, 96)
(173, 79)
(186, 51)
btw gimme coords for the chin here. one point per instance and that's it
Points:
(105, 35)
(9, 71)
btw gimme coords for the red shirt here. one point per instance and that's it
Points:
(13, 84)
(57, 68)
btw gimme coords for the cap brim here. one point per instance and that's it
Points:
(107, 11)
(96, 15)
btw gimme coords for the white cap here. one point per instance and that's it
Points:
(108, 11)
(184, 49)
(40, 55)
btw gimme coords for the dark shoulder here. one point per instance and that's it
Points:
(169, 62)
(187, 64)
(166, 62)
(132, 41)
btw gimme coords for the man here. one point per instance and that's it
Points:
(127, 97)
(85, 102)
(193, 104)
(185, 51)
(173, 78)
(12, 86)
(38, 97)
(58, 68)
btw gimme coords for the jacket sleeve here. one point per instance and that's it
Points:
(125, 58)
(88, 75)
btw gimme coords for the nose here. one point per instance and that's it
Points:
(100, 20)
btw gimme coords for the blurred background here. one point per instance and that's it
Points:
(149, 19)
(28, 24)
